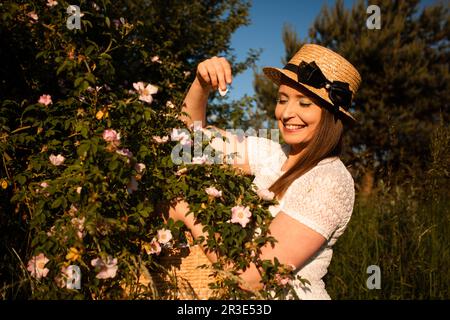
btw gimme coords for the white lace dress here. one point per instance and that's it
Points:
(322, 199)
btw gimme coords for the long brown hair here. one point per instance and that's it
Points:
(326, 142)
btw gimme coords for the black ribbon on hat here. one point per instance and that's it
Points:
(309, 73)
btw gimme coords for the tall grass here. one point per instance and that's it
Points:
(409, 241)
(403, 229)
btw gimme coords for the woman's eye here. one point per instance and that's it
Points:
(304, 103)
(281, 101)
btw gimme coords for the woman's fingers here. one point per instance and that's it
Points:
(215, 72)
(203, 74)
(227, 68)
(220, 72)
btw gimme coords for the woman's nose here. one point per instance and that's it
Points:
(290, 110)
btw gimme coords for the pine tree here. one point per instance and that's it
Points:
(405, 89)
(180, 33)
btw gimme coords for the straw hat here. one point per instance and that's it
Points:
(324, 73)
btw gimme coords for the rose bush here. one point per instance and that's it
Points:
(87, 169)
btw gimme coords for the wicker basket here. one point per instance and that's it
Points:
(181, 276)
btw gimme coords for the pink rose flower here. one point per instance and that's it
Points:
(36, 266)
(51, 232)
(145, 92)
(45, 99)
(51, 3)
(281, 280)
(33, 15)
(72, 211)
(155, 59)
(170, 105)
(139, 167)
(111, 135)
(181, 135)
(196, 126)
(124, 152)
(153, 247)
(199, 160)
(274, 210)
(181, 172)
(106, 269)
(160, 140)
(265, 194)
(213, 192)
(164, 236)
(57, 160)
(79, 226)
(43, 185)
(240, 215)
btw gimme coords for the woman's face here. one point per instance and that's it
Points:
(298, 116)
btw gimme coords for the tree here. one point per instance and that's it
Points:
(405, 82)
(89, 120)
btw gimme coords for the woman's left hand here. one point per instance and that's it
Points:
(178, 211)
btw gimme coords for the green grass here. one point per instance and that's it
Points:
(409, 239)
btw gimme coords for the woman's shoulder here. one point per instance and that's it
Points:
(322, 198)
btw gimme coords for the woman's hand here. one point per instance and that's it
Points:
(214, 73)
(211, 74)
(178, 210)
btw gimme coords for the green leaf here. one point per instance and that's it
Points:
(105, 56)
(78, 81)
(21, 179)
(84, 85)
(84, 132)
(113, 165)
(62, 67)
(57, 203)
(90, 77)
(83, 148)
(89, 50)
(107, 22)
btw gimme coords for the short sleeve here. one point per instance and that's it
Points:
(322, 200)
(264, 155)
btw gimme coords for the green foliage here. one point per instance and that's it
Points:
(77, 192)
(403, 230)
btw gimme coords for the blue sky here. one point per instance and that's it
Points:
(267, 20)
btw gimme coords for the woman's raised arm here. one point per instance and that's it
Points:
(212, 74)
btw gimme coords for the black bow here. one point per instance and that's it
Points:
(309, 73)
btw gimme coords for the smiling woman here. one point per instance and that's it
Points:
(314, 188)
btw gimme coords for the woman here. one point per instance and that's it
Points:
(314, 188)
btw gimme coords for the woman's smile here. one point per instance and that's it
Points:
(298, 116)
(293, 128)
